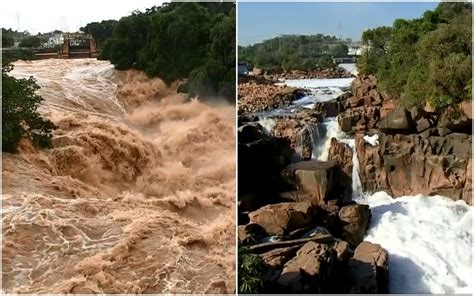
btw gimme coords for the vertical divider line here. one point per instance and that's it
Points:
(236, 146)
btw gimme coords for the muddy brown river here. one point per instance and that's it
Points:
(137, 195)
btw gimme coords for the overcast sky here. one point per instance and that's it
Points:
(48, 15)
(259, 21)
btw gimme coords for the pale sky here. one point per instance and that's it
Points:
(66, 15)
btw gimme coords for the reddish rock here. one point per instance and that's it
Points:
(282, 218)
(355, 219)
(315, 177)
(368, 269)
(276, 258)
(308, 270)
(260, 97)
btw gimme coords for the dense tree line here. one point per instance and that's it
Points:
(423, 60)
(194, 41)
(19, 113)
(101, 31)
(9, 37)
(294, 52)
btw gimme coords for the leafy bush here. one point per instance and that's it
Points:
(31, 41)
(250, 272)
(425, 60)
(20, 117)
(12, 55)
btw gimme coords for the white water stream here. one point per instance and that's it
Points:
(428, 238)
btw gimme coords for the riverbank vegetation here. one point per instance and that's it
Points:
(179, 41)
(101, 31)
(251, 272)
(424, 60)
(20, 117)
(294, 52)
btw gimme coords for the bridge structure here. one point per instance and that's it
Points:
(75, 46)
(78, 46)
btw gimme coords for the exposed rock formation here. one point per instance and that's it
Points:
(317, 178)
(299, 74)
(307, 271)
(420, 151)
(281, 219)
(368, 269)
(260, 97)
(355, 219)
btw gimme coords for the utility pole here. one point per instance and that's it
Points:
(18, 28)
(339, 28)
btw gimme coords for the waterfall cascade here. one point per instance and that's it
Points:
(428, 238)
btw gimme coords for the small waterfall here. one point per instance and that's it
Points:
(316, 133)
(357, 193)
(330, 129)
(267, 123)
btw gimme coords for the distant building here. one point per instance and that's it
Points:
(54, 40)
(243, 69)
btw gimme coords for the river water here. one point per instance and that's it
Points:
(428, 238)
(137, 195)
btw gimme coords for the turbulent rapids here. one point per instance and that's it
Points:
(137, 195)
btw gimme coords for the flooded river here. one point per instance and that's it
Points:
(137, 195)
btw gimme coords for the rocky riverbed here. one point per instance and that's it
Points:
(299, 74)
(316, 181)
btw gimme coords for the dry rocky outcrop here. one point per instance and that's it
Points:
(420, 151)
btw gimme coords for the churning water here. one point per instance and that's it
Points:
(137, 195)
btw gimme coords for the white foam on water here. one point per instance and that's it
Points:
(332, 130)
(429, 241)
(350, 67)
(372, 140)
(267, 123)
(318, 82)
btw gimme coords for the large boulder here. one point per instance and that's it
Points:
(348, 119)
(457, 118)
(398, 120)
(361, 86)
(261, 158)
(318, 178)
(276, 258)
(421, 119)
(355, 219)
(410, 164)
(308, 270)
(368, 269)
(282, 218)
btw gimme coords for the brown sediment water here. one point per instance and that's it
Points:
(136, 196)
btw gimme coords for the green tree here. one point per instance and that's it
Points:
(128, 37)
(31, 41)
(19, 113)
(100, 31)
(190, 40)
(423, 60)
(340, 49)
(7, 38)
(292, 52)
(325, 61)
